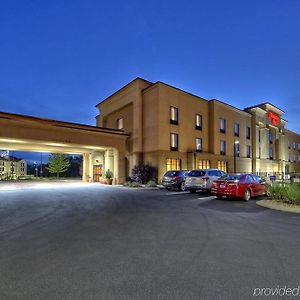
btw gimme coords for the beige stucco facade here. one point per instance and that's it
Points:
(145, 110)
(12, 167)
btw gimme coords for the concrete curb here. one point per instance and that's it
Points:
(273, 204)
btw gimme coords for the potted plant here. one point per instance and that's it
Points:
(109, 175)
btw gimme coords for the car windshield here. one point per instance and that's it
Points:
(231, 177)
(171, 173)
(196, 173)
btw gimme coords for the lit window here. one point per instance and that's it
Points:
(248, 133)
(198, 121)
(248, 151)
(223, 147)
(199, 144)
(174, 115)
(222, 125)
(236, 129)
(271, 153)
(174, 141)
(223, 165)
(237, 149)
(173, 164)
(203, 164)
(270, 137)
(120, 123)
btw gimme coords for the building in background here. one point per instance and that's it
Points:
(172, 129)
(12, 167)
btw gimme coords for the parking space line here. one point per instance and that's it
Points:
(208, 198)
(176, 193)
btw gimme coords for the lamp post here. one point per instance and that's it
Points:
(234, 155)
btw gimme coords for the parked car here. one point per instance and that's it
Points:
(240, 186)
(175, 179)
(202, 179)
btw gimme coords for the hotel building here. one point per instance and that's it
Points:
(12, 167)
(170, 129)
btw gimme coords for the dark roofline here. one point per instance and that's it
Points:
(119, 90)
(224, 103)
(264, 103)
(71, 125)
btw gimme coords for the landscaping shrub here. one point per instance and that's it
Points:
(143, 173)
(133, 184)
(288, 193)
(151, 183)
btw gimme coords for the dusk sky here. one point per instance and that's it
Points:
(58, 59)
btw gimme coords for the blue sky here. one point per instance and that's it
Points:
(60, 58)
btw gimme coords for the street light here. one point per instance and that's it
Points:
(234, 155)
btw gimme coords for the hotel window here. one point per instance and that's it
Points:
(298, 158)
(203, 164)
(248, 133)
(120, 124)
(271, 153)
(223, 165)
(248, 151)
(174, 141)
(237, 149)
(174, 115)
(259, 135)
(222, 125)
(270, 137)
(173, 164)
(289, 144)
(294, 157)
(198, 121)
(289, 157)
(199, 144)
(294, 145)
(236, 129)
(223, 148)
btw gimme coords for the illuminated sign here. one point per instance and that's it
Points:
(274, 118)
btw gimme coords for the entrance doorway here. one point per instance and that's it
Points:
(98, 173)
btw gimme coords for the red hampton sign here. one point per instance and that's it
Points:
(274, 118)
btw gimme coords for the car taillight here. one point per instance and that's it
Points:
(205, 178)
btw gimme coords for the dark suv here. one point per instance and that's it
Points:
(175, 179)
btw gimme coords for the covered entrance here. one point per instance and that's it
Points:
(101, 148)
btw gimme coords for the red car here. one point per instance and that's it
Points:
(240, 186)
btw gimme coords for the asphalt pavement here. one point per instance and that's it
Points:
(87, 241)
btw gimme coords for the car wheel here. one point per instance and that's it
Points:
(247, 195)
(219, 197)
(182, 186)
(192, 191)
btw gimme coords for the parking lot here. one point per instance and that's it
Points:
(87, 241)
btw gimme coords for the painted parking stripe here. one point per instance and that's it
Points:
(176, 193)
(208, 198)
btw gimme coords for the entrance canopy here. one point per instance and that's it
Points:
(27, 133)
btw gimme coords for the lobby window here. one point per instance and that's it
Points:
(248, 133)
(270, 137)
(294, 145)
(223, 165)
(203, 164)
(173, 164)
(198, 121)
(236, 129)
(120, 123)
(174, 141)
(248, 149)
(222, 125)
(289, 144)
(223, 147)
(199, 144)
(173, 115)
(270, 153)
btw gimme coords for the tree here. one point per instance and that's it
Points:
(143, 173)
(58, 163)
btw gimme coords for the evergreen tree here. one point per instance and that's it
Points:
(58, 163)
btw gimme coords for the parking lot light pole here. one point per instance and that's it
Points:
(234, 155)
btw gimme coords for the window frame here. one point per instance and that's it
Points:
(176, 141)
(176, 115)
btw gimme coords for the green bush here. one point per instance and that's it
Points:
(285, 192)
(151, 183)
(133, 184)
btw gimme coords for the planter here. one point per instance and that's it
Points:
(109, 181)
